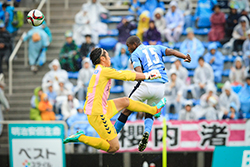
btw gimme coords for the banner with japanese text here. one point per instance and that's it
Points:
(185, 135)
(36, 145)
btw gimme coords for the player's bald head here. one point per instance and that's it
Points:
(133, 40)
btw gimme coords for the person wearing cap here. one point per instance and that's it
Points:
(246, 49)
(54, 75)
(174, 92)
(69, 106)
(62, 90)
(5, 44)
(216, 60)
(175, 22)
(69, 54)
(38, 42)
(237, 72)
(203, 75)
(218, 21)
(227, 97)
(187, 113)
(160, 22)
(152, 36)
(84, 77)
(193, 46)
(204, 11)
(239, 35)
(4, 102)
(86, 47)
(244, 96)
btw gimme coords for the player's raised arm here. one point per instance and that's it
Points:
(170, 52)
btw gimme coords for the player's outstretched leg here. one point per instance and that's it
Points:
(122, 119)
(95, 142)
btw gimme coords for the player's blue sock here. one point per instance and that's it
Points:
(120, 122)
(118, 126)
(148, 123)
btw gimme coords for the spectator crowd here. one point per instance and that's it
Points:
(195, 91)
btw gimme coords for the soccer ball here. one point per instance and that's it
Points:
(35, 17)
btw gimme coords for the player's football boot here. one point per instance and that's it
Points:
(159, 106)
(74, 137)
(144, 141)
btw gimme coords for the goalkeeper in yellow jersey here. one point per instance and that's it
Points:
(99, 109)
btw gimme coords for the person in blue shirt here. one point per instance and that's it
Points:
(233, 114)
(203, 12)
(192, 46)
(146, 58)
(216, 60)
(244, 96)
(135, 7)
(151, 5)
(120, 61)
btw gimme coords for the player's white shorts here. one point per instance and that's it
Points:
(148, 91)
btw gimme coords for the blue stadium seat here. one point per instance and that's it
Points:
(229, 58)
(111, 33)
(133, 32)
(173, 116)
(108, 43)
(196, 102)
(73, 75)
(203, 22)
(190, 73)
(177, 45)
(206, 44)
(112, 19)
(202, 31)
(226, 73)
(117, 89)
(237, 88)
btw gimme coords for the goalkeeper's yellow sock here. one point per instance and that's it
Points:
(95, 142)
(138, 106)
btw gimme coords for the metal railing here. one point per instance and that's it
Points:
(40, 6)
(66, 4)
(12, 56)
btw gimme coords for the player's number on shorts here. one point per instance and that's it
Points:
(153, 53)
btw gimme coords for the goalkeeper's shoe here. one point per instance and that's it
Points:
(74, 137)
(144, 141)
(159, 106)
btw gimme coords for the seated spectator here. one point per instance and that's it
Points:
(231, 22)
(241, 4)
(204, 11)
(143, 24)
(82, 27)
(5, 44)
(228, 97)
(160, 22)
(211, 113)
(175, 22)
(216, 60)
(94, 10)
(69, 106)
(4, 102)
(203, 75)
(236, 74)
(210, 92)
(152, 36)
(233, 113)
(181, 72)
(47, 30)
(120, 61)
(217, 20)
(187, 114)
(38, 42)
(69, 54)
(53, 76)
(62, 90)
(239, 35)
(246, 49)
(186, 7)
(46, 109)
(193, 46)
(128, 86)
(151, 5)
(86, 47)
(135, 7)
(34, 102)
(244, 96)
(173, 92)
(51, 94)
(124, 28)
(84, 77)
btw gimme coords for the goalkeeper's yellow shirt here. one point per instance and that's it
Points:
(99, 88)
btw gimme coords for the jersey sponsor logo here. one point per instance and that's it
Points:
(96, 71)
